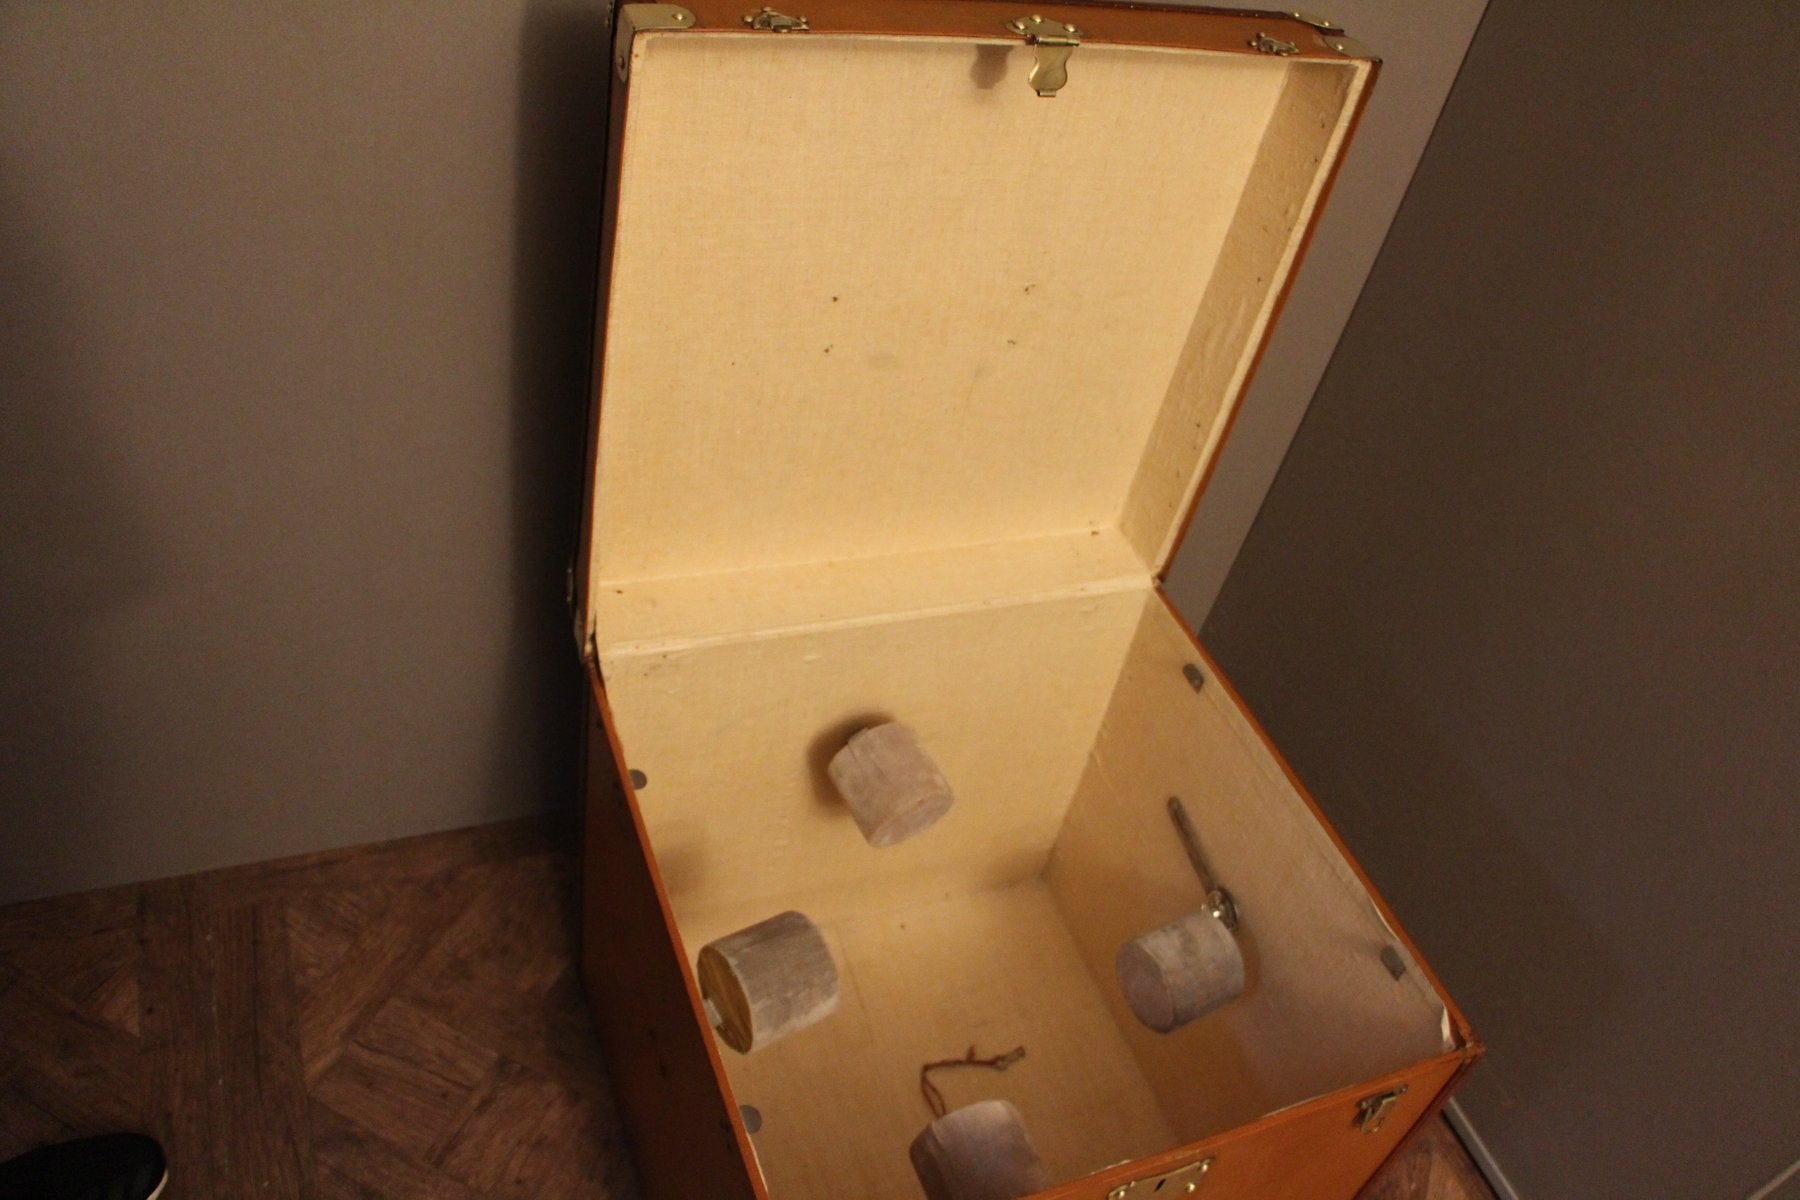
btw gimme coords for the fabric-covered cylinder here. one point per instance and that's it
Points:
(978, 1152)
(1181, 971)
(767, 981)
(893, 787)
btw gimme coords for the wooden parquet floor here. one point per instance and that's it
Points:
(393, 1022)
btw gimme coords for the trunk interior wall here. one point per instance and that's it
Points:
(1064, 725)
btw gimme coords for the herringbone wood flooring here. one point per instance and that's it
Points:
(393, 1022)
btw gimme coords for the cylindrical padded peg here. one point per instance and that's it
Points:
(894, 789)
(767, 981)
(979, 1152)
(1181, 971)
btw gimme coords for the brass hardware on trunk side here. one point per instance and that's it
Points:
(1351, 48)
(1262, 43)
(774, 22)
(635, 19)
(1322, 24)
(1372, 1112)
(1053, 42)
(1182, 1181)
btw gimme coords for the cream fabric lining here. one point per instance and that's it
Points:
(1321, 1011)
(873, 297)
(1063, 724)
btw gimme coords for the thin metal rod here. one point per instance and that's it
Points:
(1190, 841)
(1217, 898)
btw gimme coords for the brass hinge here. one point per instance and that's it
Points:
(637, 18)
(1372, 1112)
(1053, 41)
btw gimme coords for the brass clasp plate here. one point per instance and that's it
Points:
(1054, 41)
(1182, 1181)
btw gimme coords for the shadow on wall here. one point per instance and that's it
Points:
(1376, 759)
(72, 558)
(565, 61)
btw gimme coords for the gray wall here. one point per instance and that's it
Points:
(1524, 602)
(294, 303)
(293, 314)
(1421, 46)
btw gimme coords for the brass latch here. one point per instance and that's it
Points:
(1054, 42)
(1372, 1112)
(774, 22)
(1182, 1181)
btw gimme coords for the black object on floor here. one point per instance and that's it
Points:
(113, 1166)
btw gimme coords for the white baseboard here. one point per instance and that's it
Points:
(1478, 1150)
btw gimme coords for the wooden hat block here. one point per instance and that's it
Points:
(893, 787)
(978, 1152)
(769, 980)
(1179, 972)
(909, 378)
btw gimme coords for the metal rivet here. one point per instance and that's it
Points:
(1196, 679)
(752, 1117)
(638, 779)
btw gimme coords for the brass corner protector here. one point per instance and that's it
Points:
(634, 19)
(1349, 47)
(1322, 24)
